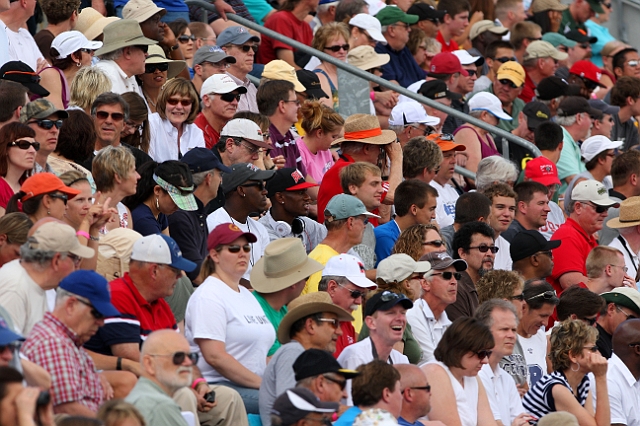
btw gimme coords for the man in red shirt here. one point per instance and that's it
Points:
(455, 21)
(588, 209)
(540, 61)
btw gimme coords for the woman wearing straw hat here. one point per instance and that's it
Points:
(157, 70)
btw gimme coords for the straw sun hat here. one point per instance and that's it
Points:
(365, 128)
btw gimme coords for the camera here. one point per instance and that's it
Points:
(43, 399)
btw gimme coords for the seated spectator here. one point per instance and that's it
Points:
(503, 207)
(428, 18)
(115, 411)
(409, 119)
(61, 17)
(588, 78)
(507, 86)
(551, 91)
(43, 117)
(629, 236)
(241, 47)
(18, 152)
(532, 208)
(12, 385)
(91, 23)
(136, 132)
(622, 304)
(76, 142)
(496, 53)
(295, 405)
(523, 34)
(208, 61)
(604, 125)
(438, 91)
(21, 45)
(540, 61)
(42, 195)
(15, 98)
(19, 72)
(416, 395)
(186, 41)
(442, 181)
(484, 33)
(470, 63)
(453, 24)
(364, 31)
(13, 234)
(606, 270)
(421, 158)
(470, 207)
(328, 38)
(578, 303)
(531, 254)
(86, 86)
(419, 240)
(548, 15)
(623, 94)
(542, 170)
(157, 71)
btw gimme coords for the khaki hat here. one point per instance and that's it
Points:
(400, 266)
(114, 252)
(629, 214)
(305, 305)
(155, 55)
(284, 263)
(91, 23)
(280, 70)
(123, 33)
(40, 109)
(486, 25)
(543, 49)
(542, 5)
(365, 128)
(60, 238)
(613, 47)
(512, 71)
(365, 58)
(593, 191)
(141, 10)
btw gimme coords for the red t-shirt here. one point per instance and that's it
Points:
(348, 337)
(5, 193)
(451, 47)
(528, 91)
(211, 136)
(285, 23)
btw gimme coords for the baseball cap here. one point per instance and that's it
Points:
(603, 107)
(594, 191)
(160, 248)
(69, 42)
(245, 129)
(45, 183)
(399, 266)
(287, 179)
(7, 335)
(311, 83)
(385, 300)
(314, 362)
(537, 113)
(235, 35)
(211, 54)
(557, 39)
(59, 237)
(411, 112)
(580, 36)
(446, 63)
(93, 287)
(529, 242)
(181, 195)
(242, 172)
(343, 206)
(468, 59)
(296, 403)
(542, 170)
(365, 57)
(446, 142)
(624, 296)
(202, 160)
(437, 89)
(595, 145)
(442, 260)
(586, 69)
(613, 47)
(39, 109)
(141, 10)
(426, 12)
(392, 15)
(370, 24)
(220, 84)
(280, 70)
(513, 72)
(486, 25)
(572, 105)
(551, 88)
(226, 233)
(543, 49)
(19, 72)
(350, 267)
(485, 101)
(542, 5)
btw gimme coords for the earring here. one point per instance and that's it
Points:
(48, 212)
(576, 368)
(78, 64)
(157, 204)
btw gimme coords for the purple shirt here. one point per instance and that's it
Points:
(286, 145)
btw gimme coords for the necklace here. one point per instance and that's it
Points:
(149, 99)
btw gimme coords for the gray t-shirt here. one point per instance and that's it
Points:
(626, 132)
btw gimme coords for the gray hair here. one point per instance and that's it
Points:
(483, 313)
(476, 113)
(41, 258)
(62, 295)
(323, 285)
(566, 121)
(112, 56)
(495, 169)
(571, 207)
(199, 177)
(396, 128)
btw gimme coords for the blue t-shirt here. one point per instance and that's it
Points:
(145, 222)
(402, 67)
(170, 5)
(403, 422)
(348, 417)
(386, 237)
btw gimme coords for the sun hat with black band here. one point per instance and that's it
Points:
(624, 296)
(385, 300)
(156, 55)
(529, 242)
(314, 362)
(241, 173)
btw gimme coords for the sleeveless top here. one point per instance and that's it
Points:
(65, 86)
(123, 217)
(486, 149)
(466, 397)
(539, 400)
(334, 89)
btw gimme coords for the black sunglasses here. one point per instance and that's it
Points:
(598, 209)
(547, 295)
(590, 321)
(151, 68)
(22, 144)
(337, 48)
(472, 72)
(448, 275)
(506, 82)
(519, 297)
(483, 248)
(142, 47)
(179, 357)
(505, 59)
(116, 116)
(236, 248)
(341, 383)
(354, 293)
(485, 353)
(435, 243)
(11, 346)
(185, 38)
(47, 124)
(424, 388)
(230, 97)
(94, 312)
(260, 185)
(546, 252)
(246, 47)
(62, 197)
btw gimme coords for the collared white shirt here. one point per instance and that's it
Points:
(120, 83)
(502, 392)
(503, 257)
(624, 393)
(426, 329)
(630, 258)
(248, 100)
(22, 47)
(164, 139)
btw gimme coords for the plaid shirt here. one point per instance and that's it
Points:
(56, 348)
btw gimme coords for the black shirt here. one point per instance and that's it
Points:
(604, 343)
(190, 230)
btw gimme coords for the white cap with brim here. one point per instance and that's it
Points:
(597, 144)
(489, 102)
(398, 267)
(411, 112)
(370, 24)
(350, 267)
(594, 191)
(220, 84)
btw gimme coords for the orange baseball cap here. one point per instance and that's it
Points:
(446, 142)
(45, 183)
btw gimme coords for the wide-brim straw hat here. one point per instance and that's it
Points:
(629, 214)
(91, 23)
(365, 128)
(156, 56)
(305, 305)
(284, 263)
(123, 33)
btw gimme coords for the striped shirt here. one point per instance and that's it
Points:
(539, 400)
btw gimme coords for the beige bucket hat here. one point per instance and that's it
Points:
(91, 23)
(629, 214)
(123, 33)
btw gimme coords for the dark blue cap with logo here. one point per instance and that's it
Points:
(93, 287)
(203, 160)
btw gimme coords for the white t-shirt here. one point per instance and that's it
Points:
(503, 394)
(256, 228)
(503, 257)
(21, 296)
(4, 45)
(312, 235)
(164, 139)
(215, 311)
(426, 330)
(555, 218)
(120, 83)
(22, 47)
(534, 349)
(624, 393)
(446, 207)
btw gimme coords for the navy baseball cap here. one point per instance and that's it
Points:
(384, 301)
(159, 248)
(91, 286)
(6, 335)
(203, 160)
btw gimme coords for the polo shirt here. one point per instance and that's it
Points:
(274, 317)
(211, 136)
(286, 145)
(403, 422)
(568, 23)
(402, 67)
(502, 393)
(285, 23)
(386, 237)
(189, 229)
(570, 162)
(157, 408)
(571, 255)
(426, 329)
(624, 393)
(528, 91)
(451, 47)
(139, 318)
(466, 300)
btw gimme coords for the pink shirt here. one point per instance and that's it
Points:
(316, 164)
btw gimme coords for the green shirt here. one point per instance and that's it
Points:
(411, 346)
(570, 162)
(516, 106)
(275, 317)
(157, 408)
(568, 23)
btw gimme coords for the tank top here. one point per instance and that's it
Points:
(466, 397)
(334, 89)
(487, 147)
(65, 87)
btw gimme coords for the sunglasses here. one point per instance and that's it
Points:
(472, 72)
(519, 297)
(183, 102)
(115, 116)
(179, 357)
(94, 312)
(448, 275)
(354, 293)
(11, 346)
(89, 51)
(62, 197)
(597, 208)
(633, 63)
(47, 124)
(337, 48)
(546, 252)
(590, 321)
(509, 83)
(505, 59)
(260, 185)
(151, 68)
(341, 383)
(185, 38)
(236, 248)
(247, 47)
(334, 322)
(22, 144)
(547, 295)
(424, 388)
(484, 354)
(388, 296)
(144, 48)
(435, 243)
(230, 97)
(483, 248)
(607, 5)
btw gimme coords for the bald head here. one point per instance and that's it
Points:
(626, 333)
(164, 342)
(410, 375)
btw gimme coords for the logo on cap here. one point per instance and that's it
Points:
(241, 30)
(297, 176)
(252, 167)
(546, 168)
(442, 256)
(215, 49)
(361, 266)
(602, 190)
(234, 227)
(541, 114)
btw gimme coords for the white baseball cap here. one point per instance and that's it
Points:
(220, 84)
(467, 59)
(370, 24)
(411, 112)
(71, 41)
(245, 129)
(398, 267)
(595, 145)
(594, 191)
(485, 101)
(350, 267)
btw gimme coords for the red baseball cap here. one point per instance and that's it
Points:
(586, 69)
(226, 233)
(542, 170)
(446, 63)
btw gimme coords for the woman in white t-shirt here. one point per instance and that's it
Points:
(225, 323)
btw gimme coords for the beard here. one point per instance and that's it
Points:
(173, 380)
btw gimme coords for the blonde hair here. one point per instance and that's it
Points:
(569, 338)
(182, 87)
(109, 162)
(328, 32)
(598, 259)
(410, 240)
(87, 84)
(318, 116)
(498, 284)
(113, 412)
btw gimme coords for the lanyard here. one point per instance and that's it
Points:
(374, 352)
(624, 245)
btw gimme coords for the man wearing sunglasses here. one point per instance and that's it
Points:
(540, 61)
(416, 394)
(622, 304)
(45, 119)
(507, 86)
(496, 53)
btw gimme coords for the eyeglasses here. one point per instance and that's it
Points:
(62, 197)
(388, 296)
(183, 102)
(547, 295)
(89, 51)
(593, 349)
(341, 383)
(519, 297)
(485, 353)
(629, 316)
(448, 275)
(363, 218)
(235, 248)
(506, 82)
(115, 116)
(179, 357)
(23, 144)
(94, 312)
(546, 252)
(623, 267)
(333, 322)
(77, 260)
(219, 65)
(472, 72)
(134, 126)
(483, 248)
(260, 185)
(424, 388)
(505, 59)
(47, 124)
(401, 24)
(151, 68)
(185, 38)
(597, 208)
(633, 63)
(230, 97)
(247, 47)
(295, 101)
(425, 132)
(354, 293)
(11, 346)
(337, 48)
(252, 149)
(435, 243)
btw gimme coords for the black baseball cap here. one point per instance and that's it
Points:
(203, 160)
(437, 89)
(551, 88)
(287, 179)
(314, 362)
(580, 36)
(22, 73)
(311, 83)
(536, 113)
(426, 12)
(572, 105)
(242, 172)
(384, 301)
(529, 242)
(296, 403)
